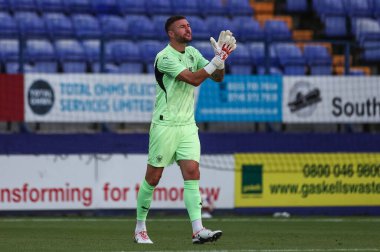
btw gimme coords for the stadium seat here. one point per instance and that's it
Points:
(335, 26)
(78, 6)
(8, 26)
(9, 55)
(318, 59)
(22, 5)
(290, 58)
(113, 27)
(358, 8)
(375, 6)
(71, 55)
(247, 29)
(40, 56)
(159, 7)
(259, 60)
(59, 26)
(296, 5)
(30, 24)
(215, 24)
(276, 30)
(126, 55)
(86, 26)
(185, 7)
(159, 26)
(204, 47)
(140, 27)
(132, 6)
(104, 6)
(212, 7)
(44, 6)
(240, 60)
(92, 49)
(331, 7)
(366, 31)
(5, 6)
(148, 50)
(239, 8)
(200, 30)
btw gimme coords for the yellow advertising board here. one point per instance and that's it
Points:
(307, 179)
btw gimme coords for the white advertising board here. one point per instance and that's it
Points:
(89, 97)
(47, 182)
(326, 99)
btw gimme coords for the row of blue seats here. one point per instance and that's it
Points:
(85, 26)
(350, 8)
(145, 7)
(131, 57)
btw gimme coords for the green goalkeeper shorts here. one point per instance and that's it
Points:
(172, 143)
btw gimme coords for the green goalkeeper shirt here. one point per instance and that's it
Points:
(174, 98)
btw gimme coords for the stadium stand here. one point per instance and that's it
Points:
(127, 7)
(10, 55)
(78, 6)
(59, 26)
(86, 26)
(8, 26)
(44, 6)
(71, 56)
(31, 25)
(40, 56)
(186, 7)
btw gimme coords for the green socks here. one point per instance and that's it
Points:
(191, 194)
(144, 198)
(192, 198)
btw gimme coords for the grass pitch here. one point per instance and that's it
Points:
(250, 234)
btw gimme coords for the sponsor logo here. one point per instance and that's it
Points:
(303, 99)
(252, 180)
(40, 97)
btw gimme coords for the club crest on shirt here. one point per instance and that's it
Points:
(159, 158)
(191, 58)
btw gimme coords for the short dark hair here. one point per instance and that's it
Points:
(171, 20)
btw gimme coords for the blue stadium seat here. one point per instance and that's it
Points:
(212, 7)
(9, 55)
(78, 6)
(375, 6)
(296, 5)
(258, 59)
(331, 7)
(126, 55)
(247, 29)
(240, 60)
(215, 24)
(276, 30)
(159, 26)
(239, 8)
(185, 7)
(132, 6)
(5, 6)
(358, 8)
(367, 31)
(92, 51)
(140, 27)
(148, 50)
(40, 56)
(335, 26)
(71, 55)
(59, 26)
(204, 47)
(50, 6)
(200, 30)
(159, 7)
(8, 26)
(114, 27)
(290, 58)
(105, 6)
(23, 5)
(86, 26)
(31, 25)
(318, 59)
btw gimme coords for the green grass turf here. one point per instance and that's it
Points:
(239, 233)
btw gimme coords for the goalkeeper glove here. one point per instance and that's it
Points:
(223, 48)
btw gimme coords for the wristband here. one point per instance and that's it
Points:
(210, 68)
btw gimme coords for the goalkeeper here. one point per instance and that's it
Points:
(173, 135)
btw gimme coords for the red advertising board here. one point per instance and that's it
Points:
(11, 97)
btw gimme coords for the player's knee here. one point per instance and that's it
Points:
(153, 180)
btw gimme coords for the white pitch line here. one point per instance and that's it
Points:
(5, 219)
(271, 250)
